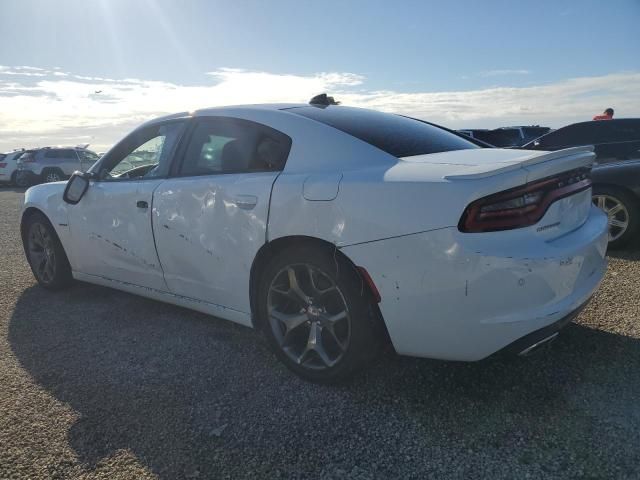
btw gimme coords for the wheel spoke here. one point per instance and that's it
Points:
(295, 286)
(601, 203)
(329, 328)
(49, 268)
(318, 292)
(291, 321)
(332, 319)
(42, 266)
(35, 240)
(314, 344)
(615, 209)
(617, 223)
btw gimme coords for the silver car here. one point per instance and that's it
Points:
(52, 164)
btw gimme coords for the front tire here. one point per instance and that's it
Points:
(45, 254)
(317, 315)
(22, 179)
(623, 214)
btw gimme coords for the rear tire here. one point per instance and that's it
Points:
(45, 254)
(623, 210)
(317, 315)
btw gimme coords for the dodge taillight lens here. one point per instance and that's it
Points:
(522, 206)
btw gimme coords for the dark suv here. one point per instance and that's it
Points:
(52, 164)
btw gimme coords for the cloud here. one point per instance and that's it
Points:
(61, 107)
(496, 73)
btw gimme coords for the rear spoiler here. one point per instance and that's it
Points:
(583, 156)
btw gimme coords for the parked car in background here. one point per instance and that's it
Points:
(52, 164)
(616, 190)
(613, 140)
(616, 175)
(507, 136)
(9, 166)
(331, 229)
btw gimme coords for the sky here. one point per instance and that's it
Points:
(474, 64)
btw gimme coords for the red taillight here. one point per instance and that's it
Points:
(522, 206)
(2, 165)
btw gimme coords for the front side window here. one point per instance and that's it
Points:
(228, 145)
(146, 153)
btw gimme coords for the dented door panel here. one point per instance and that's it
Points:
(208, 230)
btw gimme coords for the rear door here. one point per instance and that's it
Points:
(211, 219)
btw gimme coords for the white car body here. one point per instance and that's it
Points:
(8, 165)
(444, 294)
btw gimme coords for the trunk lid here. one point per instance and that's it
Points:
(476, 164)
(480, 170)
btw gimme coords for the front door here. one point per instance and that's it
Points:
(211, 220)
(111, 225)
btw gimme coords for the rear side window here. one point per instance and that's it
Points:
(399, 136)
(229, 145)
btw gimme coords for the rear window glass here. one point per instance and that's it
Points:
(396, 135)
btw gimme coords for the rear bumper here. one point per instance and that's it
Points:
(457, 296)
(531, 341)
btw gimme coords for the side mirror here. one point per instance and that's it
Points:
(76, 187)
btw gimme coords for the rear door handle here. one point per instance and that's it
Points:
(142, 204)
(245, 202)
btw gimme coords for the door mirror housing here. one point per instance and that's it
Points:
(76, 187)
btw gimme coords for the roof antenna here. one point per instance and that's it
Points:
(323, 100)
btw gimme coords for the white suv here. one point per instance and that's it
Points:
(9, 166)
(52, 164)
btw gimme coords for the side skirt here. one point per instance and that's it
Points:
(187, 302)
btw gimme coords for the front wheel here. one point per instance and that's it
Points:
(45, 254)
(318, 318)
(22, 179)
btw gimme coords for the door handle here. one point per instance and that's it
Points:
(142, 204)
(245, 202)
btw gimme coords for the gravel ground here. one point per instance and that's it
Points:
(95, 383)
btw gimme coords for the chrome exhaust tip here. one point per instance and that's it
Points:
(532, 348)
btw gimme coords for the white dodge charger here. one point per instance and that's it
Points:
(333, 230)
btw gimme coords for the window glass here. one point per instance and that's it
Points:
(396, 135)
(146, 153)
(51, 154)
(623, 130)
(87, 155)
(227, 145)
